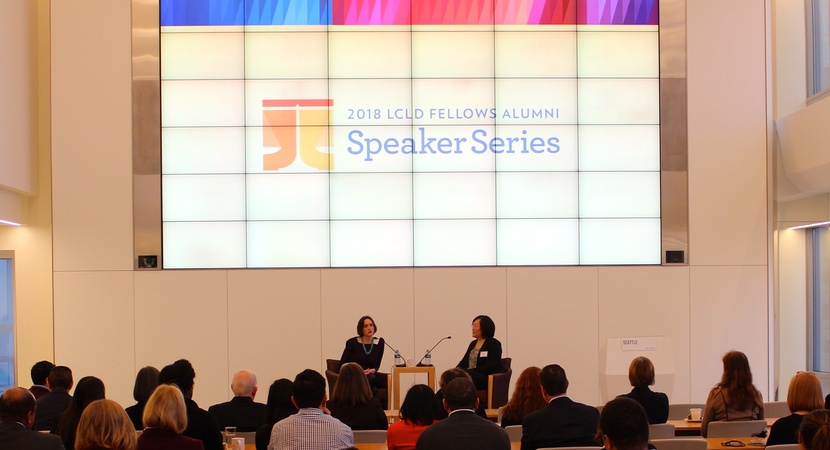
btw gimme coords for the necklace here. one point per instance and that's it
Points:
(371, 347)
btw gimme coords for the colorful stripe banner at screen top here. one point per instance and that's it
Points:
(408, 12)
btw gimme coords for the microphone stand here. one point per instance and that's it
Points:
(397, 356)
(420, 363)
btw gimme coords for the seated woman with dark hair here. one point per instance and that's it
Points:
(483, 355)
(803, 396)
(735, 397)
(418, 411)
(814, 433)
(146, 381)
(352, 401)
(279, 406)
(104, 425)
(527, 398)
(87, 391)
(641, 376)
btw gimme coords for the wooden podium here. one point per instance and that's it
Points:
(397, 371)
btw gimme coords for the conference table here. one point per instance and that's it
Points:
(711, 444)
(690, 425)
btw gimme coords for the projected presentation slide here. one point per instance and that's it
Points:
(400, 133)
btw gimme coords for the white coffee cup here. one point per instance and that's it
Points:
(694, 413)
(238, 443)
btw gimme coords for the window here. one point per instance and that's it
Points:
(818, 288)
(6, 321)
(818, 46)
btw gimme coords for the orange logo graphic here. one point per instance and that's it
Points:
(296, 126)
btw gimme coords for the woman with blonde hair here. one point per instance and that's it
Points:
(165, 417)
(104, 425)
(641, 376)
(803, 396)
(526, 398)
(735, 397)
(814, 433)
(352, 402)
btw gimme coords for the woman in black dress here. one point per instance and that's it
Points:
(483, 355)
(365, 350)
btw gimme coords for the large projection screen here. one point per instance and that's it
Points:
(394, 133)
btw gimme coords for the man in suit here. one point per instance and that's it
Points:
(17, 415)
(623, 425)
(463, 429)
(40, 372)
(564, 422)
(241, 412)
(200, 423)
(52, 405)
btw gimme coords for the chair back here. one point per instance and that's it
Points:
(332, 372)
(680, 444)
(369, 436)
(250, 436)
(498, 387)
(570, 448)
(783, 447)
(776, 409)
(678, 411)
(661, 431)
(514, 432)
(735, 428)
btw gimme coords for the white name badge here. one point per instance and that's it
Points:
(482, 354)
(639, 344)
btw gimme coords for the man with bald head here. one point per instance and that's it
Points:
(241, 412)
(17, 415)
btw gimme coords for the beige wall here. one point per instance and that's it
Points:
(110, 321)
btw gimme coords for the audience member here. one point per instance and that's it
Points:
(87, 391)
(279, 407)
(641, 376)
(200, 423)
(17, 415)
(40, 372)
(418, 411)
(563, 422)
(104, 425)
(483, 355)
(735, 397)
(352, 402)
(814, 433)
(146, 381)
(803, 396)
(165, 418)
(623, 425)
(311, 428)
(463, 429)
(526, 398)
(53, 404)
(444, 380)
(241, 411)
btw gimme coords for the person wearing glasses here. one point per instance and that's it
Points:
(483, 355)
(735, 397)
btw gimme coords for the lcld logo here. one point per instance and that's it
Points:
(296, 126)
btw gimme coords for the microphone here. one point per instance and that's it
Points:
(399, 361)
(427, 355)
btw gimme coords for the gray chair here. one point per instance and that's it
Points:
(776, 409)
(783, 447)
(514, 432)
(680, 444)
(661, 431)
(735, 428)
(250, 436)
(680, 411)
(369, 436)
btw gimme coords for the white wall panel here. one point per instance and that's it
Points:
(727, 132)
(552, 319)
(91, 135)
(184, 314)
(649, 301)
(273, 325)
(95, 329)
(728, 312)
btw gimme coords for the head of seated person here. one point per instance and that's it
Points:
(166, 409)
(105, 425)
(623, 425)
(352, 387)
(309, 390)
(460, 393)
(814, 433)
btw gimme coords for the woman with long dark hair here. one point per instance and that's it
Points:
(146, 381)
(352, 402)
(279, 406)
(87, 391)
(735, 397)
(418, 411)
